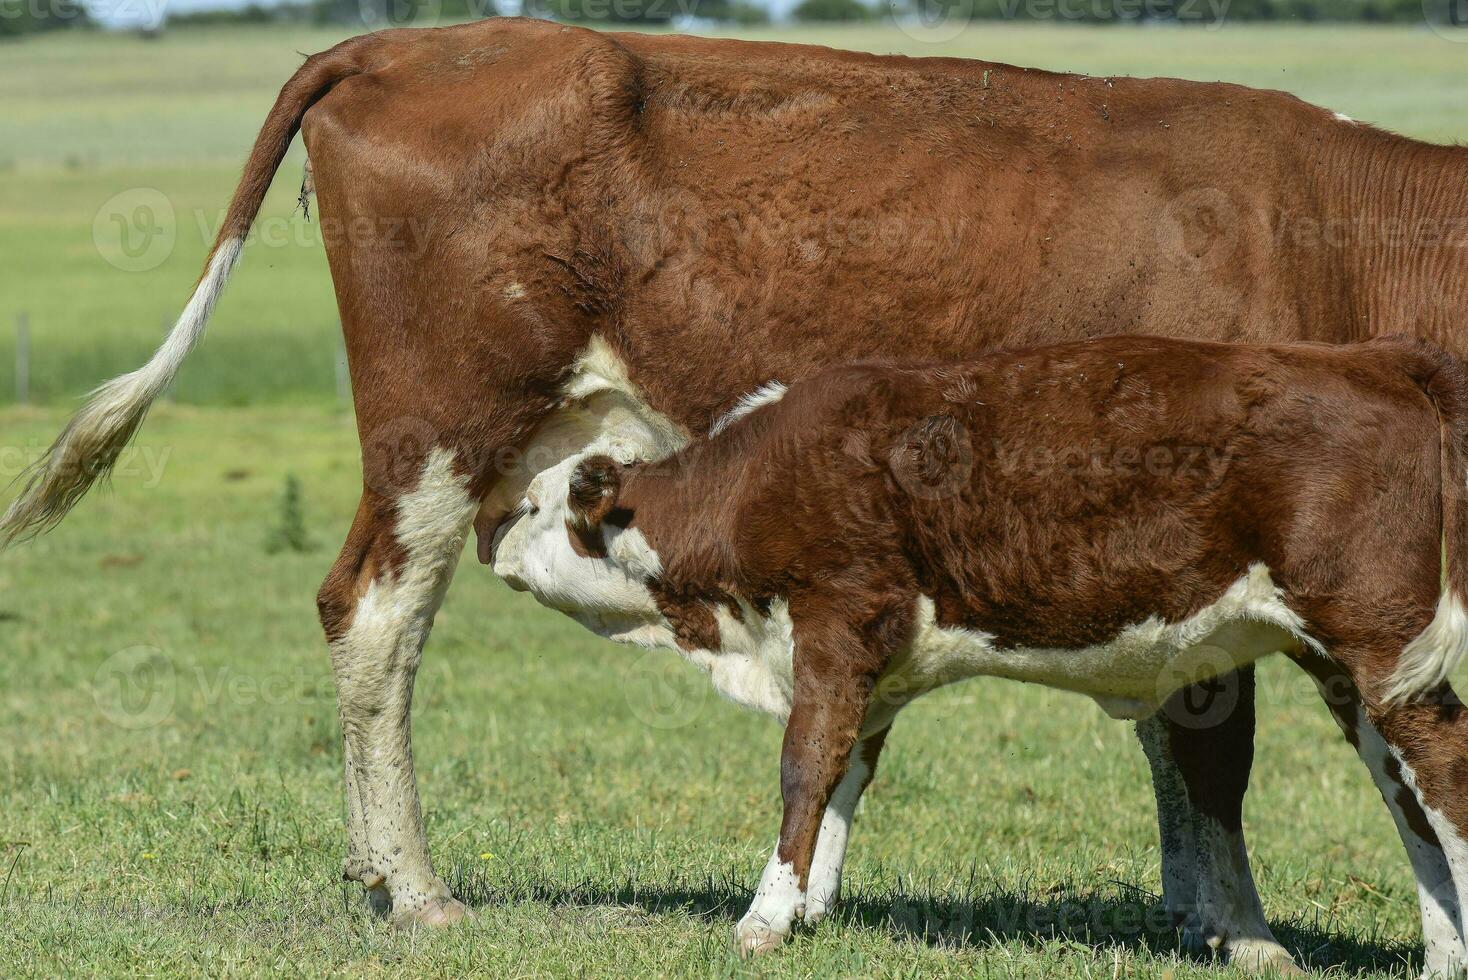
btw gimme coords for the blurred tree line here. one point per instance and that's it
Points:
(19, 17)
(1186, 11)
(386, 12)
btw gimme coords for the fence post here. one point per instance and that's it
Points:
(22, 358)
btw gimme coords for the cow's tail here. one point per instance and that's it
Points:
(89, 445)
(1427, 661)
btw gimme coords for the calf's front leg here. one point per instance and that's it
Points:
(824, 890)
(832, 689)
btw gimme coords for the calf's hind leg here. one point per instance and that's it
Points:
(1437, 897)
(1429, 742)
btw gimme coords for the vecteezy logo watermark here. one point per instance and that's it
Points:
(142, 687)
(1200, 229)
(934, 458)
(663, 692)
(937, 21)
(135, 688)
(1199, 689)
(932, 21)
(402, 13)
(135, 231)
(394, 452)
(1205, 465)
(141, 464)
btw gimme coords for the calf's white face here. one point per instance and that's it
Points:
(605, 588)
(605, 592)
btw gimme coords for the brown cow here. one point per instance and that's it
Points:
(541, 235)
(1115, 517)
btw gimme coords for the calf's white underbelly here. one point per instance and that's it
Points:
(1130, 676)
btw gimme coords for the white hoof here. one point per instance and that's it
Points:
(1262, 956)
(753, 937)
(433, 914)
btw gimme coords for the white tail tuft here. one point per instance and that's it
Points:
(1427, 661)
(89, 445)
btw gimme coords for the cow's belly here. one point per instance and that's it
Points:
(1131, 675)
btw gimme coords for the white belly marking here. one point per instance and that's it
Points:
(1132, 674)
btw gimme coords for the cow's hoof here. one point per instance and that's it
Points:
(433, 914)
(1193, 943)
(817, 909)
(1262, 956)
(754, 938)
(379, 900)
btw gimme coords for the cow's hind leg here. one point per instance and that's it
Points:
(1200, 747)
(377, 607)
(1437, 897)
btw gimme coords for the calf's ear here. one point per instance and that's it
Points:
(594, 488)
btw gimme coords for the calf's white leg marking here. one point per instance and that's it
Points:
(824, 883)
(778, 904)
(375, 663)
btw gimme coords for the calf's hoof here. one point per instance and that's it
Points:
(436, 913)
(755, 938)
(1262, 956)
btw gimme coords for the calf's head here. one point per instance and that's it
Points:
(575, 547)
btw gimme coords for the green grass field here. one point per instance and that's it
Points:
(169, 759)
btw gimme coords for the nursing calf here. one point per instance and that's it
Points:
(1118, 518)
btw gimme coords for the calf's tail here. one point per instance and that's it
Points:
(1427, 661)
(90, 443)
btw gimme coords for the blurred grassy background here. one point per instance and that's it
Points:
(169, 798)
